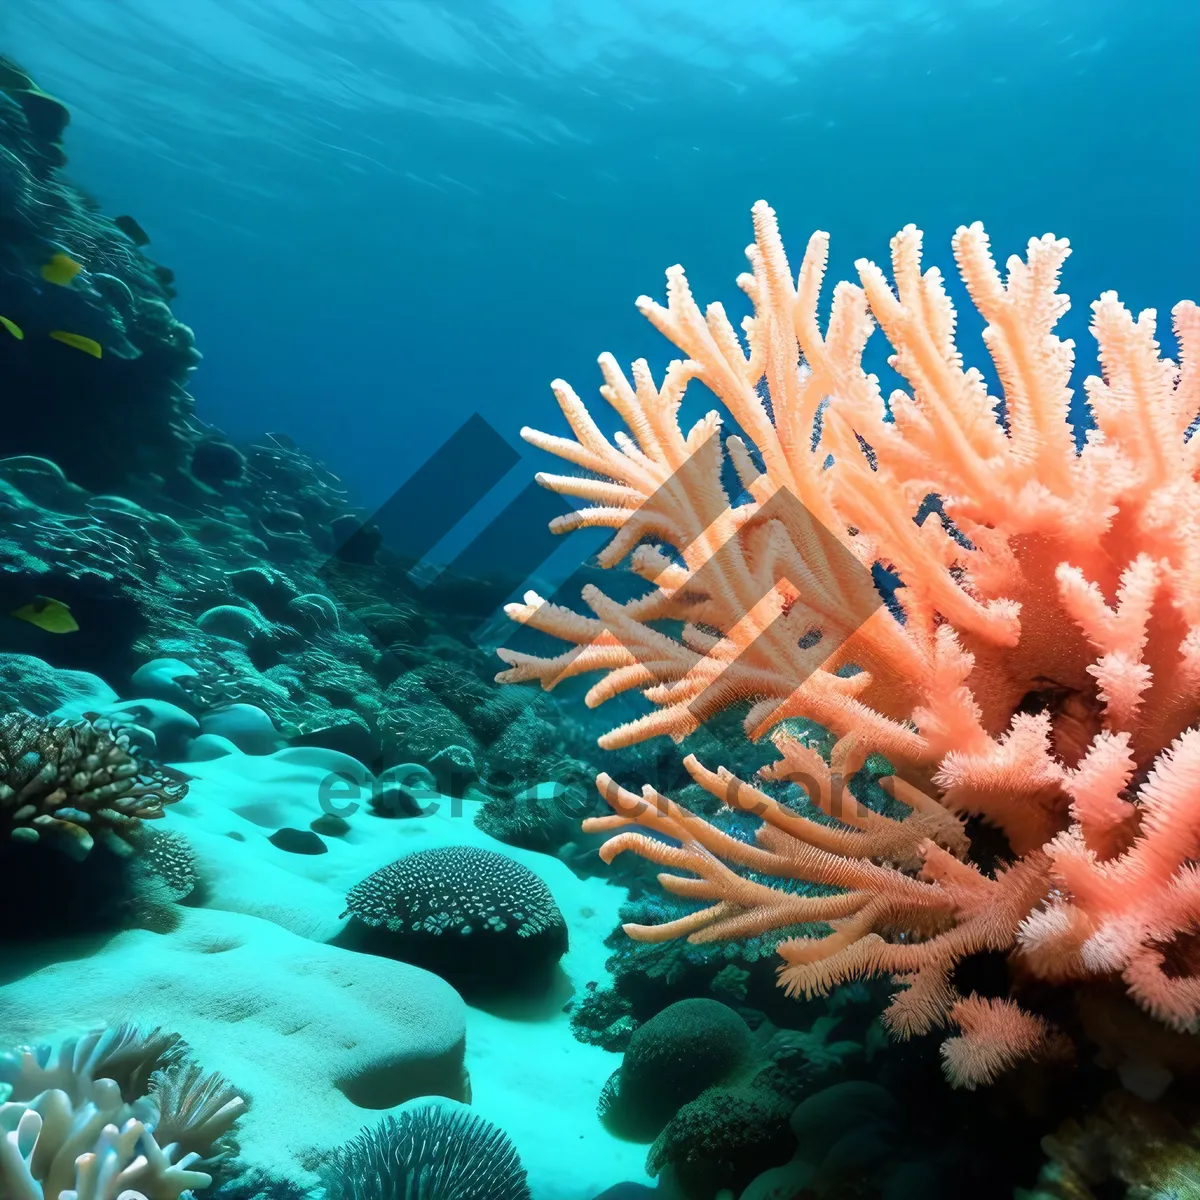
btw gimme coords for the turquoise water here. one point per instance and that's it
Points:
(260, 514)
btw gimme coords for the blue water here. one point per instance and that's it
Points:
(388, 214)
(387, 218)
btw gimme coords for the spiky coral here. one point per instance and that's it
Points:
(1038, 668)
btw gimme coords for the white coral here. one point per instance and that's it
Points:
(78, 1139)
(102, 1149)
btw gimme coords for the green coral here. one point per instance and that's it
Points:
(46, 116)
(672, 1059)
(722, 1140)
(603, 1017)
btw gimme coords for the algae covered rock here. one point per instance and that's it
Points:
(720, 1141)
(32, 684)
(687, 1048)
(844, 1138)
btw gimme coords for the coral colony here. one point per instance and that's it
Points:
(300, 903)
(1038, 672)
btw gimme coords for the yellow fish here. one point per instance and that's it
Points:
(78, 341)
(51, 615)
(61, 269)
(12, 328)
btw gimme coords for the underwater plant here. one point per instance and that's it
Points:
(937, 576)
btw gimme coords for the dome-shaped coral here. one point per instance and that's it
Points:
(473, 916)
(687, 1048)
(723, 1139)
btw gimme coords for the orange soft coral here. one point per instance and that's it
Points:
(1039, 668)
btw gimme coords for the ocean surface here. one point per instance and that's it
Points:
(294, 895)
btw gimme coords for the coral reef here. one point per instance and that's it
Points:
(193, 608)
(110, 1113)
(544, 817)
(844, 1137)
(647, 975)
(968, 732)
(75, 781)
(1148, 1149)
(224, 616)
(33, 685)
(722, 1140)
(1029, 667)
(690, 1046)
(428, 1151)
(313, 1034)
(474, 916)
(118, 298)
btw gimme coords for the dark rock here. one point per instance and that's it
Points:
(269, 591)
(330, 826)
(356, 542)
(314, 611)
(298, 841)
(282, 520)
(234, 622)
(215, 462)
(349, 736)
(402, 791)
(395, 800)
(454, 769)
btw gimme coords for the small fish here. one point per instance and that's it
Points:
(61, 269)
(12, 328)
(86, 344)
(46, 613)
(132, 230)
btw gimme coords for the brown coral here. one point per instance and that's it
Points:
(1149, 1150)
(74, 781)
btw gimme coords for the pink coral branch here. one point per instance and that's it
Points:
(1037, 669)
